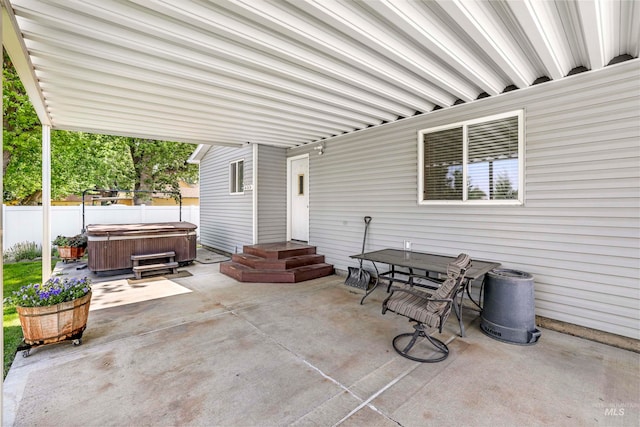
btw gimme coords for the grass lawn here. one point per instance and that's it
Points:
(15, 275)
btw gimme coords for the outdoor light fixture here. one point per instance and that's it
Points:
(320, 149)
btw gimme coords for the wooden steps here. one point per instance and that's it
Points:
(150, 263)
(276, 263)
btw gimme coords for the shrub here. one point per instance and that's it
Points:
(61, 241)
(23, 250)
(77, 241)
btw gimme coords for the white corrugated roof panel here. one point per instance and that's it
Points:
(287, 73)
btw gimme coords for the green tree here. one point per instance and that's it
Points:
(21, 158)
(80, 161)
(504, 189)
(159, 166)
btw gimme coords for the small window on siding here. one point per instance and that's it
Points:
(477, 161)
(236, 177)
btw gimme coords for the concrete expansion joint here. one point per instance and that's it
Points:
(368, 401)
(364, 402)
(302, 359)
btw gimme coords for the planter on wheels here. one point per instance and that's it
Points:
(54, 323)
(70, 252)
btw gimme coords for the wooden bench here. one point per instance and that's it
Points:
(168, 263)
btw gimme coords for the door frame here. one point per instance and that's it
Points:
(290, 160)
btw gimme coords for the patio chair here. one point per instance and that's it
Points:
(427, 309)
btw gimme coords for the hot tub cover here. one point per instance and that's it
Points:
(132, 229)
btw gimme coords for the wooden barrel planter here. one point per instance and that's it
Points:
(70, 252)
(55, 323)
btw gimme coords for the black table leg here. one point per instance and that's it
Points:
(375, 284)
(457, 306)
(391, 279)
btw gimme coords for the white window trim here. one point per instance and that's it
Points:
(241, 192)
(465, 159)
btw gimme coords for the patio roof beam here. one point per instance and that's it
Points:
(14, 44)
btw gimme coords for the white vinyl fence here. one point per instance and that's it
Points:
(24, 223)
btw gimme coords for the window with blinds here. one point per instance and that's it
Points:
(236, 177)
(478, 161)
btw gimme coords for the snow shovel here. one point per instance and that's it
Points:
(359, 278)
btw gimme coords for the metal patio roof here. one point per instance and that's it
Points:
(287, 73)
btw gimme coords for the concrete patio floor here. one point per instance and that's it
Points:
(205, 350)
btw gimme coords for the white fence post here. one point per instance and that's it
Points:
(4, 233)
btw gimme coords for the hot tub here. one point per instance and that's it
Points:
(110, 246)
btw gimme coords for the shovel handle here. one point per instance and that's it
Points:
(367, 220)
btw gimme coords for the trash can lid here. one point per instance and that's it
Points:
(504, 272)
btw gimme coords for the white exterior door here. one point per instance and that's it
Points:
(299, 198)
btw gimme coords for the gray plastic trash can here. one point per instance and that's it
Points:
(508, 313)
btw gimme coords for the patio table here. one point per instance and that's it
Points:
(433, 266)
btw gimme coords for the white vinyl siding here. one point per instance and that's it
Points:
(272, 194)
(578, 232)
(225, 220)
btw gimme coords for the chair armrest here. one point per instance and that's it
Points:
(417, 293)
(426, 297)
(427, 278)
(410, 290)
(436, 282)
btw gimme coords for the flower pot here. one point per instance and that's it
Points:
(70, 252)
(54, 323)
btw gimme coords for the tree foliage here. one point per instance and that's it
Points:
(504, 188)
(81, 161)
(21, 153)
(158, 165)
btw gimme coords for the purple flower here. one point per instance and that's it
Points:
(53, 291)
